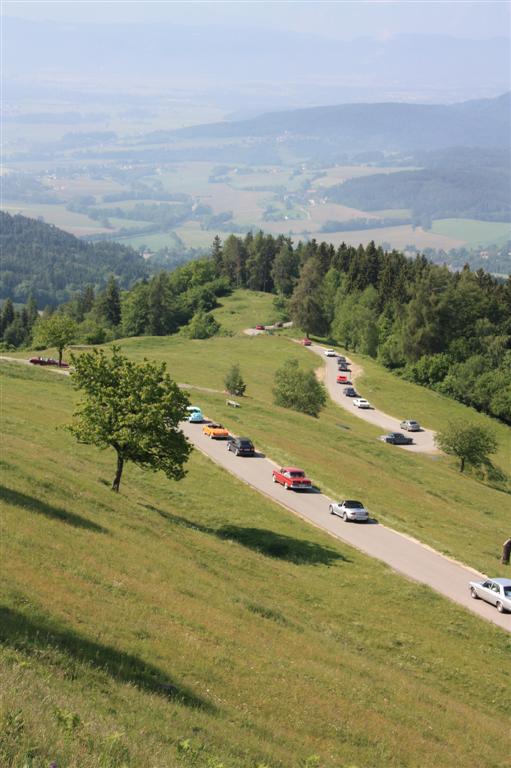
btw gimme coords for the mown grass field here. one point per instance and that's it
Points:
(198, 624)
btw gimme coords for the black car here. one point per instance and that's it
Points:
(241, 446)
(396, 438)
(343, 367)
(350, 392)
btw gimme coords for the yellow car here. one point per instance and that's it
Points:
(215, 431)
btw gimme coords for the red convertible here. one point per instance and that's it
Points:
(291, 477)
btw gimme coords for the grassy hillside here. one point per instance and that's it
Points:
(198, 624)
(424, 496)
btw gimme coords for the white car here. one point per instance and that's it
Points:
(361, 402)
(350, 510)
(494, 591)
(330, 353)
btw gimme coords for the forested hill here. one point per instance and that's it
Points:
(462, 182)
(41, 260)
(389, 126)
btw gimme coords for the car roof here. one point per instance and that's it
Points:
(502, 582)
(244, 438)
(292, 469)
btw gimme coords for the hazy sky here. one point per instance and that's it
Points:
(335, 18)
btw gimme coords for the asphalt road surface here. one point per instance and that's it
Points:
(405, 555)
(423, 442)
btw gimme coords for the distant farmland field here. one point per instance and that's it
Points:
(474, 232)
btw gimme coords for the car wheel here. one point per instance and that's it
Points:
(287, 487)
(500, 608)
(274, 479)
(345, 517)
(331, 509)
(236, 452)
(473, 594)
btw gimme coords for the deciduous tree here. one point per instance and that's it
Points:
(234, 383)
(298, 389)
(471, 443)
(57, 330)
(134, 408)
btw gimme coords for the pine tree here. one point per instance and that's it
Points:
(216, 253)
(7, 315)
(110, 303)
(285, 269)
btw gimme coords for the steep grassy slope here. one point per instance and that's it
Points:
(421, 495)
(197, 624)
(424, 496)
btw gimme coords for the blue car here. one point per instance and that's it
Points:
(195, 415)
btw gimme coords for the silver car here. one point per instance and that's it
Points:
(494, 591)
(350, 510)
(410, 425)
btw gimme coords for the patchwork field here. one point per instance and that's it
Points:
(473, 233)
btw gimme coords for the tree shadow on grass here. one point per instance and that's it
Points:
(43, 508)
(33, 636)
(270, 543)
(281, 547)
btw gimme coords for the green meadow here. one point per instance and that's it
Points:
(199, 624)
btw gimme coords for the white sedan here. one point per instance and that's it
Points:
(330, 353)
(361, 402)
(494, 591)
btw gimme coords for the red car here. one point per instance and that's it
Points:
(291, 478)
(260, 327)
(343, 378)
(306, 342)
(47, 361)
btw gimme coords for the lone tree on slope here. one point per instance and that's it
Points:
(57, 330)
(134, 408)
(298, 389)
(234, 382)
(471, 443)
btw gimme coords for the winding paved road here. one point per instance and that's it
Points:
(402, 553)
(423, 442)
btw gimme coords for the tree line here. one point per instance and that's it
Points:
(448, 331)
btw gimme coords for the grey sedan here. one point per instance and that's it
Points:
(494, 591)
(410, 425)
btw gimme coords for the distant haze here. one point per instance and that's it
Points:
(256, 68)
(337, 20)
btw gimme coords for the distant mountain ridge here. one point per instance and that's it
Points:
(276, 66)
(383, 126)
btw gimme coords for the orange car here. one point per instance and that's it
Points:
(214, 430)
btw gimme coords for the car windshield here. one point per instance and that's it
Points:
(296, 474)
(413, 423)
(507, 591)
(354, 505)
(245, 443)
